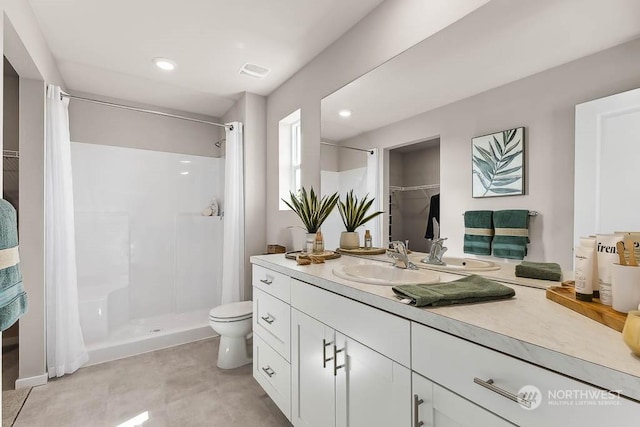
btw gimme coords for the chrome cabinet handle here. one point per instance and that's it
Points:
(267, 281)
(268, 319)
(488, 384)
(335, 360)
(325, 359)
(416, 416)
(267, 370)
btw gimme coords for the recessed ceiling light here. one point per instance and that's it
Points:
(164, 64)
(184, 173)
(345, 113)
(253, 70)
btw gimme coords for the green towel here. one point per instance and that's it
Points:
(469, 289)
(512, 233)
(478, 241)
(539, 270)
(13, 299)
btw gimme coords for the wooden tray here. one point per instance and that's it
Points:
(326, 255)
(362, 251)
(601, 313)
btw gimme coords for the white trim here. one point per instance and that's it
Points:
(32, 381)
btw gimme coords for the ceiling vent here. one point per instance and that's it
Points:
(254, 70)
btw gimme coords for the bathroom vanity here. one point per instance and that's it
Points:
(332, 352)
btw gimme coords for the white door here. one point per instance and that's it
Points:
(422, 401)
(312, 393)
(371, 390)
(451, 410)
(607, 153)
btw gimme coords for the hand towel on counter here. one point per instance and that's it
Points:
(478, 232)
(467, 290)
(13, 299)
(539, 270)
(512, 233)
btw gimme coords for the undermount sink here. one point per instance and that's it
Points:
(385, 275)
(461, 264)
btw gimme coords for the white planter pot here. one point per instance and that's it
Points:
(349, 240)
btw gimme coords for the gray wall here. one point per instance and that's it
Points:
(544, 104)
(11, 99)
(100, 124)
(250, 109)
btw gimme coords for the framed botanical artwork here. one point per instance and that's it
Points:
(498, 164)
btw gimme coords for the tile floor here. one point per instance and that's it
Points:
(179, 386)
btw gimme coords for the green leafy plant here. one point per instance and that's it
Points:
(493, 163)
(313, 211)
(353, 212)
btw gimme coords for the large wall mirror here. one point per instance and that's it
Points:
(422, 109)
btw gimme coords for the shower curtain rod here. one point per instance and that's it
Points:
(143, 110)
(348, 148)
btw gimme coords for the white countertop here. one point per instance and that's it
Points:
(528, 326)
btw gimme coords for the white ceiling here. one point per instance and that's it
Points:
(106, 47)
(501, 42)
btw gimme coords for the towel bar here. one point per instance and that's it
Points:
(531, 213)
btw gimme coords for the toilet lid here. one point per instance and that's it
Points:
(236, 310)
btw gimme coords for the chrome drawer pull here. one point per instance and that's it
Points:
(335, 360)
(522, 400)
(325, 359)
(270, 372)
(268, 319)
(416, 416)
(267, 281)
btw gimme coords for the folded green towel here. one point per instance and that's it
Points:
(13, 299)
(469, 289)
(539, 270)
(512, 233)
(478, 232)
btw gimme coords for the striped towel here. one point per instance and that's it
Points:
(478, 232)
(13, 299)
(512, 233)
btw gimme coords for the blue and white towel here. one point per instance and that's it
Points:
(13, 298)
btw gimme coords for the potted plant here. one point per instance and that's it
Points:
(313, 211)
(353, 213)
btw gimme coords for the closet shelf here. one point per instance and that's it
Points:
(415, 187)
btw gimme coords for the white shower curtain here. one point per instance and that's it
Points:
(65, 345)
(233, 240)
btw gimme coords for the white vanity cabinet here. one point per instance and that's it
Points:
(435, 406)
(271, 335)
(337, 380)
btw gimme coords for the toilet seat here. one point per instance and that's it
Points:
(234, 312)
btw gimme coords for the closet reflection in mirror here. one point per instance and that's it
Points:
(414, 194)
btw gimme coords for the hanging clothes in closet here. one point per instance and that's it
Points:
(434, 213)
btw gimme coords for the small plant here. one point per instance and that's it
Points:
(353, 212)
(311, 210)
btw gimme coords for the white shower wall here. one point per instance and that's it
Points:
(143, 249)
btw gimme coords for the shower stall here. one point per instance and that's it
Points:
(149, 264)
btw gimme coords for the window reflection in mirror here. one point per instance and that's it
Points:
(289, 157)
(414, 194)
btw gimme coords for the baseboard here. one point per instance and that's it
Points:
(31, 381)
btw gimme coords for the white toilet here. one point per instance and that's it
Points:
(233, 323)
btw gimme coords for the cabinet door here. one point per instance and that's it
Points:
(451, 410)
(371, 390)
(422, 401)
(313, 390)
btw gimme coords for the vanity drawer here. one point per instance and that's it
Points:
(273, 373)
(455, 363)
(383, 332)
(272, 282)
(272, 321)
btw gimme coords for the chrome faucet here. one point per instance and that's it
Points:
(437, 251)
(399, 254)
